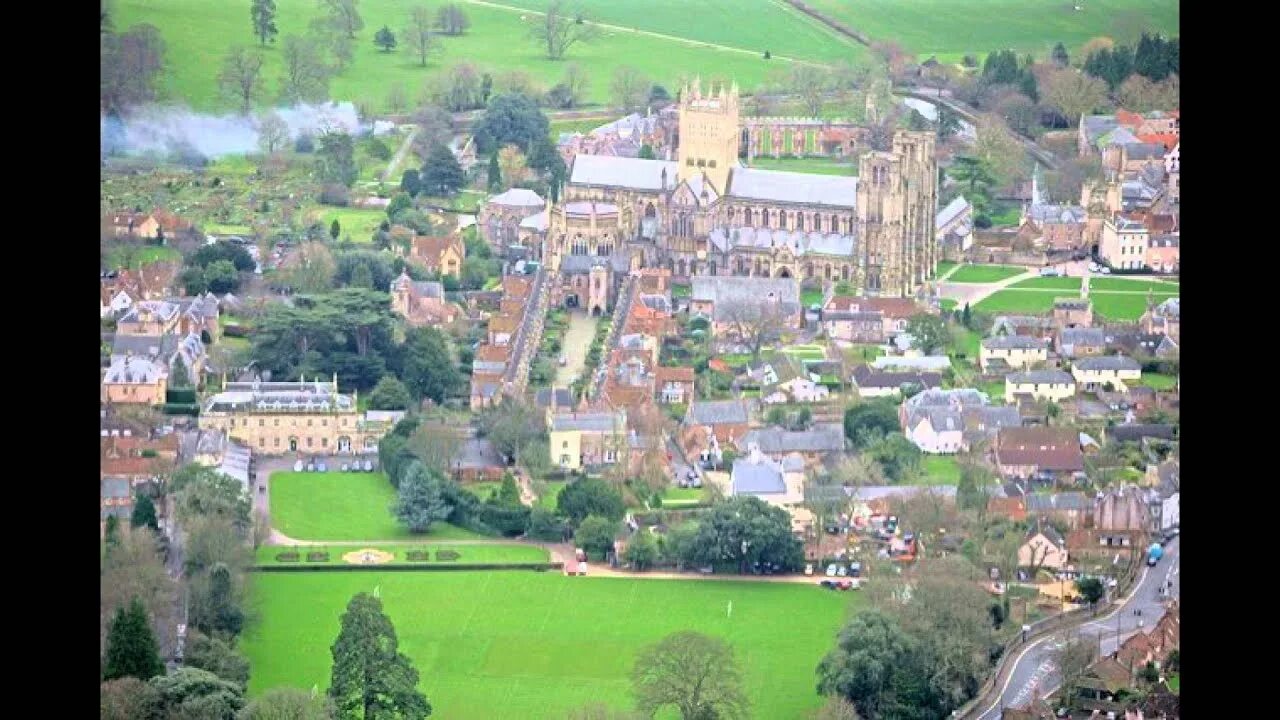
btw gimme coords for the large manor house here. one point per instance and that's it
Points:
(704, 213)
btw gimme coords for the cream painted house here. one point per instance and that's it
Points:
(581, 439)
(1052, 385)
(1124, 243)
(1094, 373)
(1044, 548)
(1016, 351)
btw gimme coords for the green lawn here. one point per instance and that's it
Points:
(1113, 283)
(1158, 381)
(810, 297)
(1122, 307)
(1008, 215)
(735, 360)
(226, 228)
(1174, 682)
(814, 165)
(1052, 283)
(944, 266)
(549, 498)
(495, 553)
(133, 257)
(952, 28)
(1018, 301)
(966, 341)
(863, 353)
(511, 645)
(357, 223)
(985, 273)
(674, 497)
(482, 490)
(806, 352)
(343, 506)
(572, 126)
(940, 470)
(497, 42)
(948, 304)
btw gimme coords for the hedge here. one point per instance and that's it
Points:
(191, 409)
(180, 396)
(542, 567)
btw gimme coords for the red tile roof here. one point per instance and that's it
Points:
(1055, 449)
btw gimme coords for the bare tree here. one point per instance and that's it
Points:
(576, 81)
(838, 708)
(305, 76)
(435, 125)
(333, 38)
(241, 76)
(516, 81)
(857, 471)
(419, 36)
(457, 89)
(343, 16)
(273, 133)
(452, 20)
(1072, 657)
(1074, 93)
(629, 88)
(811, 84)
(1138, 94)
(754, 324)
(397, 101)
(997, 146)
(133, 568)
(514, 166)
(435, 445)
(560, 28)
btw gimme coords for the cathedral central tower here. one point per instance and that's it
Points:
(708, 134)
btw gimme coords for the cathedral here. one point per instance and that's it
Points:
(704, 213)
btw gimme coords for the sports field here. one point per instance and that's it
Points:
(952, 28)
(494, 645)
(198, 34)
(985, 273)
(337, 506)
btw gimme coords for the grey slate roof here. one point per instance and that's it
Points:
(1050, 502)
(136, 369)
(537, 221)
(717, 412)
(144, 345)
(1050, 532)
(774, 440)
(563, 398)
(792, 187)
(724, 288)
(1090, 337)
(953, 210)
(519, 197)
(1145, 151)
(1064, 214)
(799, 242)
(477, 453)
(1136, 432)
(1095, 126)
(589, 422)
(1041, 377)
(865, 377)
(928, 362)
(619, 262)
(762, 477)
(610, 171)
(1009, 342)
(587, 207)
(1108, 362)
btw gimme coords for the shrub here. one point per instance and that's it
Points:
(418, 556)
(335, 194)
(447, 555)
(317, 557)
(287, 556)
(304, 144)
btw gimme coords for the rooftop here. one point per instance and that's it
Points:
(793, 187)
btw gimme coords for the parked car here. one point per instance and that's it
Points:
(831, 570)
(841, 571)
(1106, 270)
(855, 569)
(1093, 267)
(708, 570)
(808, 568)
(297, 466)
(321, 467)
(1048, 272)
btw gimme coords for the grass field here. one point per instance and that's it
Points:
(952, 28)
(816, 165)
(493, 645)
(199, 32)
(359, 224)
(482, 490)
(944, 266)
(1118, 306)
(1018, 301)
(572, 126)
(121, 256)
(1174, 682)
(1110, 283)
(548, 499)
(806, 352)
(985, 273)
(1157, 381)
(940, 470)
(495, 553)
(674, 497)
(810, 297)
(343, 506)
(947, 304)
(1053, 283)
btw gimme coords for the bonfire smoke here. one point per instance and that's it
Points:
(167, 130)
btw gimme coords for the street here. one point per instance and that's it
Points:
(1034, 670)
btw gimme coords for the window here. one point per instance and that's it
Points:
(689, 162)
(324, 442)
(275, 442)
(262, 442)
(261, 422)
(277, 422)
(308, 422)
(564, 445)
(711, 163)
(308, 442)
(609, 456)
(324, 422)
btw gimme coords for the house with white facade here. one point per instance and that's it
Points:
(950, 421)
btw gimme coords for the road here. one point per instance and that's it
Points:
(1034, 670)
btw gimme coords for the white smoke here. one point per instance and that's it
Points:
(168, 129)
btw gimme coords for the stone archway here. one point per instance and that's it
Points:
(783, 272)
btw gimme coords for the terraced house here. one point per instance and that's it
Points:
(1095, 373)
(1051, 385)
(1011, 351)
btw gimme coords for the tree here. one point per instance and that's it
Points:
(241, 76)
(430, 370)
(336, 159)
(343, 16)
(838, 708)
(509, 492)
(1072, 657)
(263, 13)
(495, 174)
(590, 496)
(878, 667)
(544, 525)
(421, 500)
(511, 119)
(390, 394)
(144, 514)
(191, 692)
(696, 674)
(335, 230)
(899, 457)
(1060, 56)
(1000, 150)
(1074, 94)
(419, 36)
(111, 532)
(629, 89)
(129, 698)
(385, 39)
(867, 420)
(513, 165)
(131, 646)
(754, 323)
(857, 471)
(1018, 111)
(201, 491)
(975, 176)
(441, 175)
(560, 28)
(216, 595)
(1091, 590)
(458, 88)
(130, 67)
(646, 152)
(409, 182)
(312, 268)
(574, 82)
(745, 531)
(371, 678)
(221, 277)
(305, 76)
(596, 534)
(812, 85)
(966, 318)
(452, 20)
(1138, 94)
(286, 704)
(134, 568)
(928, 332)
(641, 550)
(273, 133)
(216, 656)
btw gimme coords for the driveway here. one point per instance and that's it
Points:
(1034, 670)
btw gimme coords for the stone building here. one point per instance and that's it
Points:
(705, 214)
(421, 303)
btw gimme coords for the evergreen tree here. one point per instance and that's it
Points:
(441, 175)
(112, 534)
(144, 514)
(362, 276)
(131, 646)
(179, 376)
(646, 152)
(390, 394)
(335, 229)
(1060, 55)
(263, 13)
(495, 174)
(371, 679)
(509, 493)
(385, 39)
(409, 182)
(967, 317)
(422, 500)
